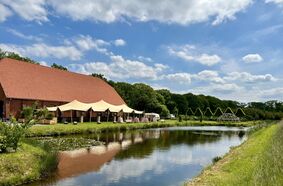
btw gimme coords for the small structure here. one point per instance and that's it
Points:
(228, 117)
(152, 116)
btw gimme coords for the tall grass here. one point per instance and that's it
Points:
(270, 167)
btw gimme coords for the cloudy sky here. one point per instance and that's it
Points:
(229, 49)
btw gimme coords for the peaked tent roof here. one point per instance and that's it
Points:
(74, 105)
(22, 80)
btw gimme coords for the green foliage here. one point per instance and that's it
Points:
(12, 55)
(240, 113)
(190, 112)
(164, 111)
(101, 76)
(10, 135)
(180, 118)
(198, 112)
(218, 112)
(175, 111)
(208, 112)
(239, 167)
(229, 110)
(60, 67)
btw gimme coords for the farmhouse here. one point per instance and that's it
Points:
(22, 84)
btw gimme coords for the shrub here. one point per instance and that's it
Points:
(180, 118)
(216, 159)
(10, 135)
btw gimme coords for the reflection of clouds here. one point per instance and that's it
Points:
(75, 153)
(118, 170)
(98, 149)
(138, 140)
(113, 146)
(159, 163)
(126, 144)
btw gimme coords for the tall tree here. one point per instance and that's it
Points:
(60, 67)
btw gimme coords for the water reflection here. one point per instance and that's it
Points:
(145, 157)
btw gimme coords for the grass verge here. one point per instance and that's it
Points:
(258, 161)
(63, 129)
(31, 162)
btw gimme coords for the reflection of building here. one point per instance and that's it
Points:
(82, 161)
(22, 83)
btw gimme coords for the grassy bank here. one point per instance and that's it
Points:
(258, 161)
(63, 129)
(31, 162)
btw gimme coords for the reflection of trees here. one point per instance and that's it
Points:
(159, 139)
(171, 138)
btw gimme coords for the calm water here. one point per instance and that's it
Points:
(168, 156)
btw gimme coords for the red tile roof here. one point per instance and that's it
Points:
(23, 80)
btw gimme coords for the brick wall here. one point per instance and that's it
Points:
(15, 106)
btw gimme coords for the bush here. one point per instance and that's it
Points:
(10, 135)
(216, 159)
(180, 118)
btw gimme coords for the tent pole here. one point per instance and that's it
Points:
(71, 116)
(90, 115)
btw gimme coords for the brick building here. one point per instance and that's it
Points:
(22, 84)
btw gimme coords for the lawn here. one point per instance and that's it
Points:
(30, 162)
(258, 161)
(65, 129)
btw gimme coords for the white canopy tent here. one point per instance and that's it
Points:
(100, 106)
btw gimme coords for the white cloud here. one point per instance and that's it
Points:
(278, 2)
(186, 78)
(30, 10)
(23, 36)
(145, 59)
(121, 68)
(252, 58)
(208, 75)
(184, 12)
(43, 63)
(222, 89)
(119, 42)
(87, 43)
(191, 53)
(4, 13)
(44, 50)
(249, 78)
(180, 78)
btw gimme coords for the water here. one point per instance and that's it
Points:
(168, 156)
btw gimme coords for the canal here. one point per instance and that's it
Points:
(167, 156)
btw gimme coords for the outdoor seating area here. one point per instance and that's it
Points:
(76, 111)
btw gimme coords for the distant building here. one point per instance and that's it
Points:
(22, 84)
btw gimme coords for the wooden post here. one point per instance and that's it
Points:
(71, 116)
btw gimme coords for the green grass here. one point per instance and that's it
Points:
(258, 161)
(63, 129)
(31, 162)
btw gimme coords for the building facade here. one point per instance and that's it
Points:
(22, 84)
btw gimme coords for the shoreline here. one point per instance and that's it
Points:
(246, 163)
(82, 128)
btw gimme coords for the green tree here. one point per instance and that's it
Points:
(190, 112)
(208, 112)
(164, 111)
(229, 110)
(218, 112)
(12, 55)
(198, 112)
(60, 67)
(240, 113)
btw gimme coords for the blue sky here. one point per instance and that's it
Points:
(229, 49)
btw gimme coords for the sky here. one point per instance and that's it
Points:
(228, 49)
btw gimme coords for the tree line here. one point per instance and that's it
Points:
(143, 97)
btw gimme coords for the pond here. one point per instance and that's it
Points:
(167, 156)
